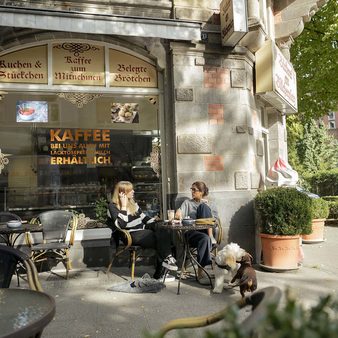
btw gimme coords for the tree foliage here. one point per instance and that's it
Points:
(310, 147)
(314, 55)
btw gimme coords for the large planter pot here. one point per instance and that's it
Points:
(280, 253)
(317, 234)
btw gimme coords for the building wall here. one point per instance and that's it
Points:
(211, 119)
(331, 122)
(217, 128)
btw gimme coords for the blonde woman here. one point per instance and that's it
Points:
(144, 231)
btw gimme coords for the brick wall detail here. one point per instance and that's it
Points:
(216, 114)
(213, 163)
(216, 77)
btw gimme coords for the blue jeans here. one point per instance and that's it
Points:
(200, 239)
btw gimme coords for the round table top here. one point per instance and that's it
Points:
(179, 226)
(4, 229)
(24, 313)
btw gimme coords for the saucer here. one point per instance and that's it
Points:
(14, 224)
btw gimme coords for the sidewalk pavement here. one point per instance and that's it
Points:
(85, 308)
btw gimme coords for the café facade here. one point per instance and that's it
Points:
(161, 93)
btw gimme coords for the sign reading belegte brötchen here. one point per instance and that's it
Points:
(129, 71)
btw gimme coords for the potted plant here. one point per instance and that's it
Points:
(283, 215)
(319, 213)
(292, 318)
(101, 206)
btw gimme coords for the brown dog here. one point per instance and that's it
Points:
(246, 275)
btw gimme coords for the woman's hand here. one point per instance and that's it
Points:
(178, 214)
(124, 200)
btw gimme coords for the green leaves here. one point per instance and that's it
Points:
(315, 58)
(320, 208)
(284, 211)
(310, 146)
(101, 206)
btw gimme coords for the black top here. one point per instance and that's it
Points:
(124, 220)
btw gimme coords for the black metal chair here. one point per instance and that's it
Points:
(259, 301)
(8, 216)
(123, 243)
(217, 233)
(56, 224)
(10, 258)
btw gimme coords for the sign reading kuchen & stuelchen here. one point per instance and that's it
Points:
(76, 63)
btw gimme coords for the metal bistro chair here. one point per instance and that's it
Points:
(123, 243)
(55, 225)
(8, 216)
(10, 258)
(259, 302)
(217, 232)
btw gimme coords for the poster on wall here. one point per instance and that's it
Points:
(31, 111)
(124, 112)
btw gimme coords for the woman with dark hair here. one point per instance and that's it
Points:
(126, 214)
(199, 207)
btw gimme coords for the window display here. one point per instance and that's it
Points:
(74, 156)
(32, 111)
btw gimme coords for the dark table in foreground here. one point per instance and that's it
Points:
(183, 229)
(24, 313)
(10, 235)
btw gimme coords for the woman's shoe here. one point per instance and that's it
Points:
(170, 263)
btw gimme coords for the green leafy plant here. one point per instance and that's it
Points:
(101, 206)
(323, 182)
(319, 208)
(333, 209)
(311, 55)
(296, 321)
(290, 319)
(284, 211)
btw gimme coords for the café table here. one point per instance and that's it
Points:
(11, 235)
(182, 230)
(24, 313)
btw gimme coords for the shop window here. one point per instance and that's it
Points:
(63, 156)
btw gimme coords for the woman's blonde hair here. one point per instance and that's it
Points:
(126, 187)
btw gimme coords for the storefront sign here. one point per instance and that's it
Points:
(78, 64)
(80, 146)
(234, 22)
(275, 78)
(129, 71)
(25, 66)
